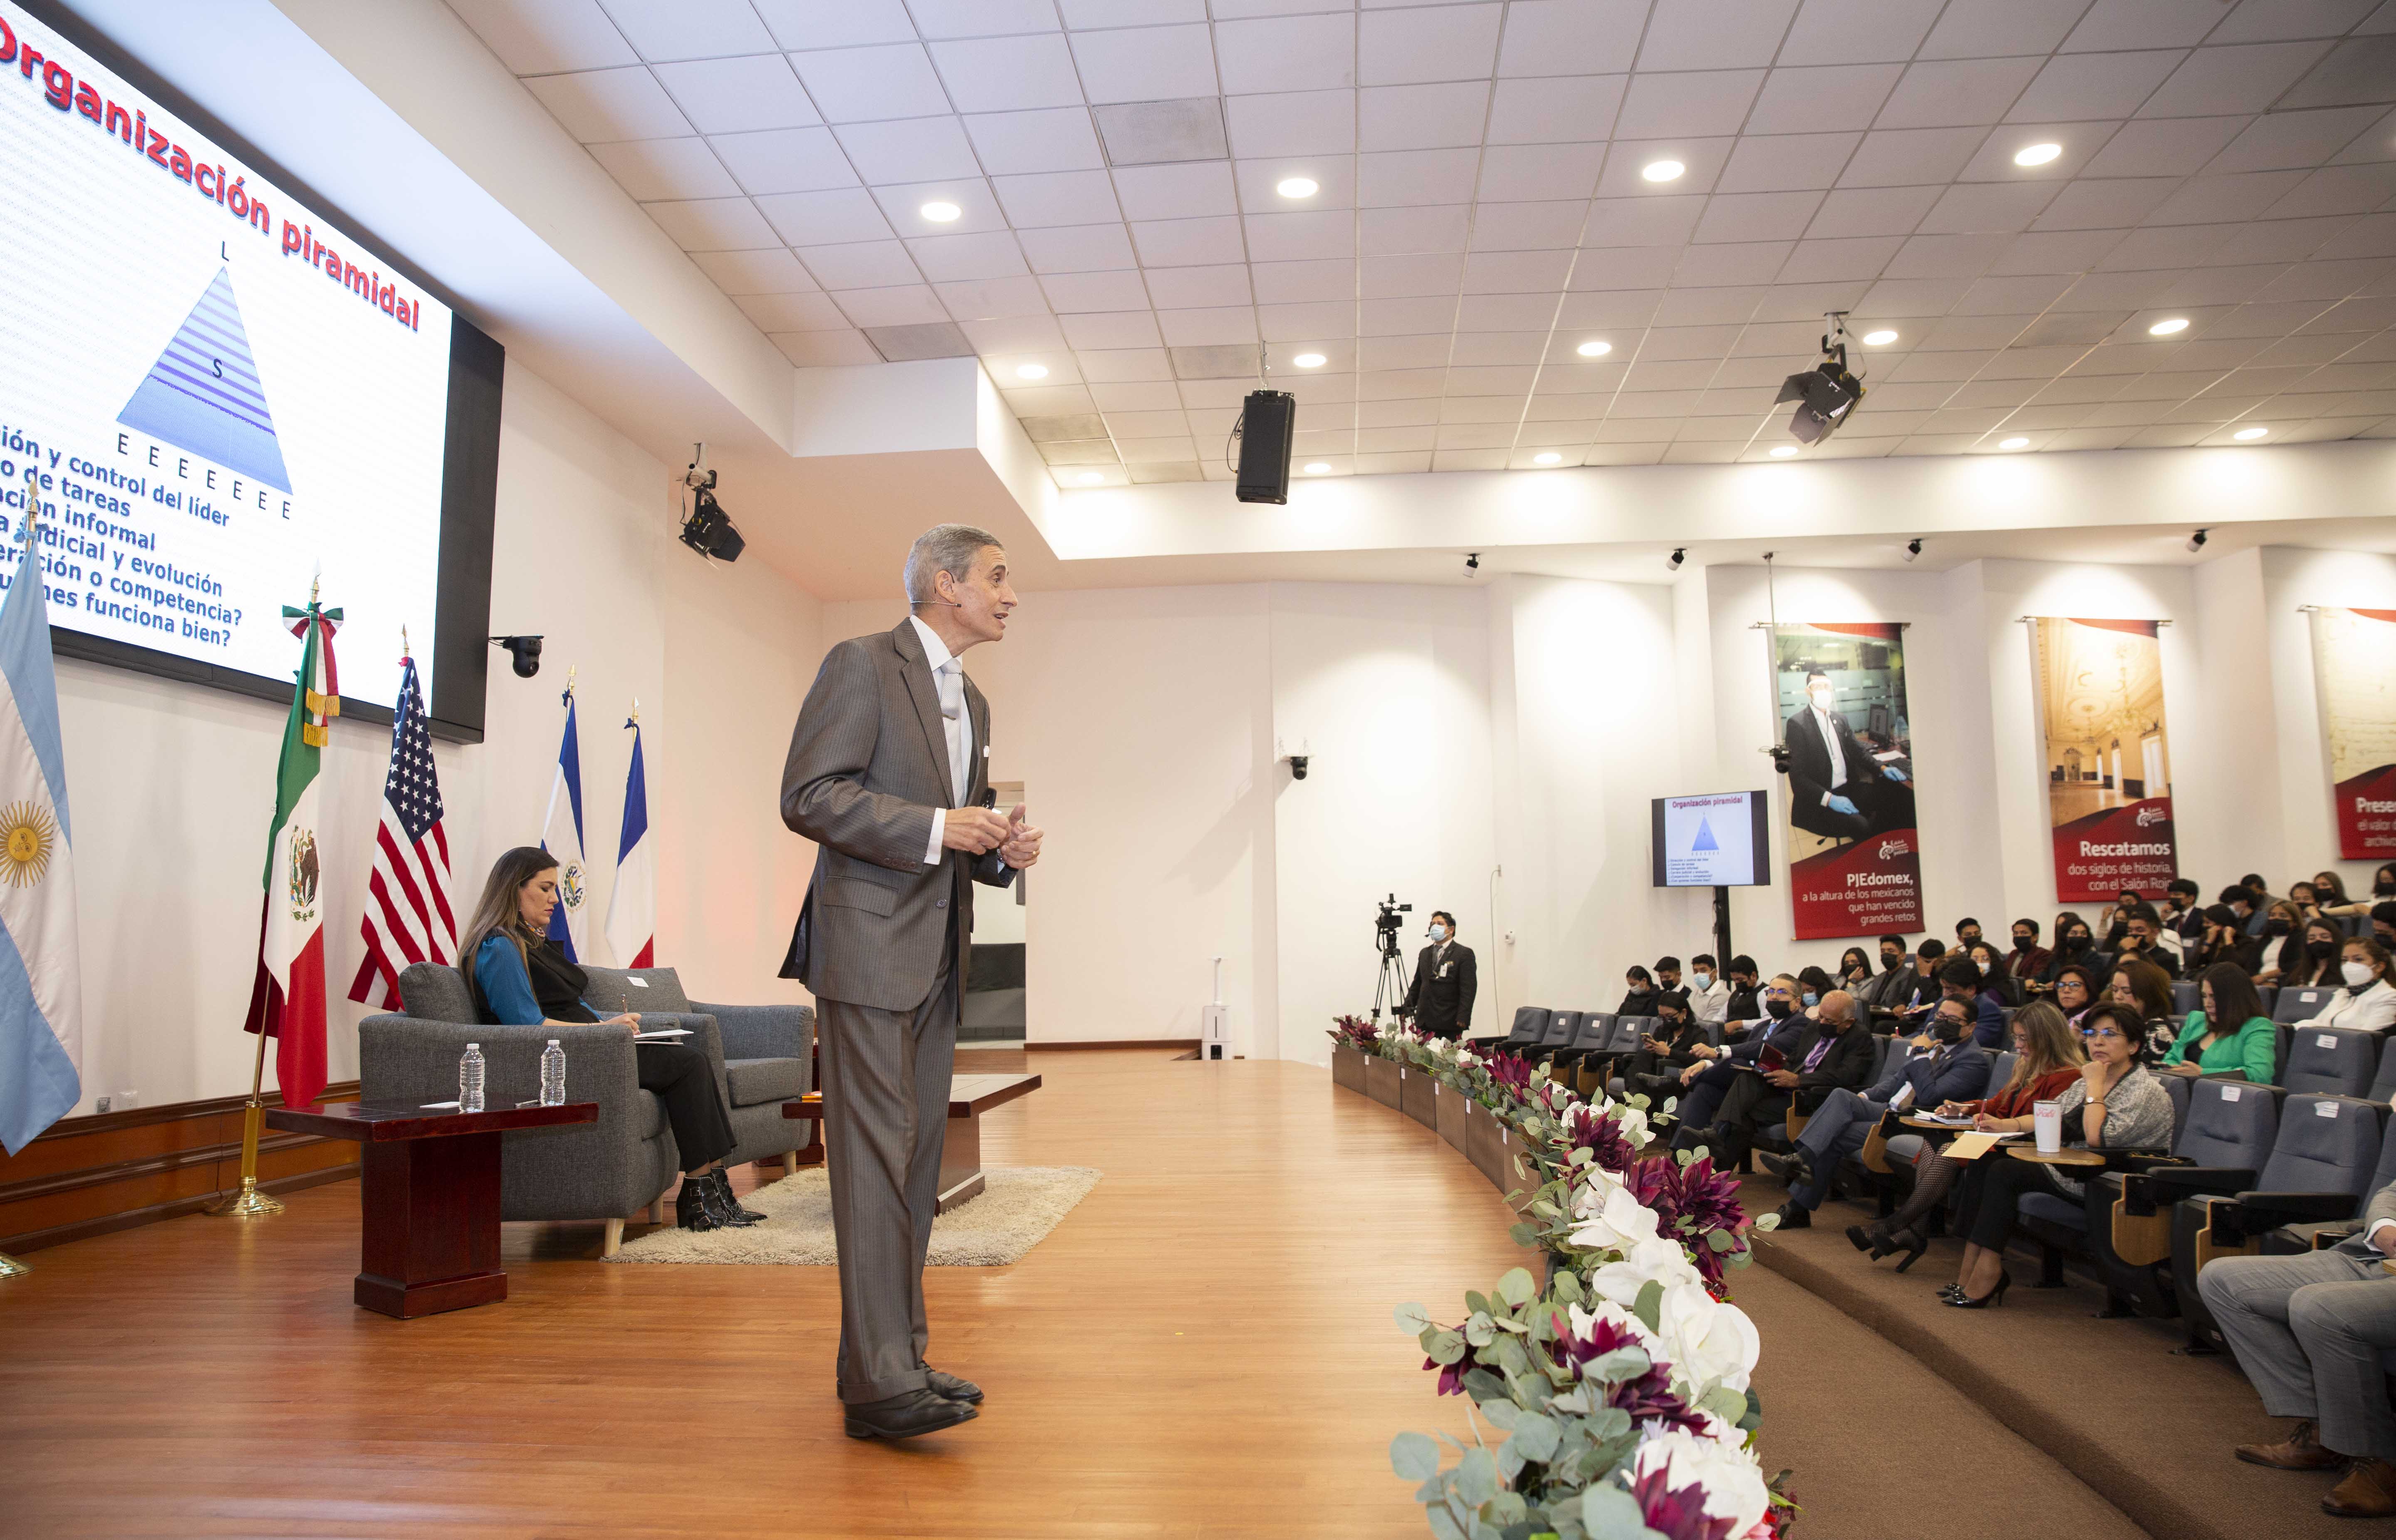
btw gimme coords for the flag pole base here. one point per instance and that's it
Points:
(248, 1203)
(11, 1268)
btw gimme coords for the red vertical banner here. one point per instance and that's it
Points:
(2354, 669)
(1845, 758)
(2108, 756)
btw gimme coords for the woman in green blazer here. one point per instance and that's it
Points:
(2206, 1047)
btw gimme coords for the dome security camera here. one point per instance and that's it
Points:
(1912, 549)
(525, 650)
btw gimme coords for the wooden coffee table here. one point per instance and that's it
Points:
(970, 1097)
(428, 1235)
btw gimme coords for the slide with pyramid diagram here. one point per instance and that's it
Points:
(1706, 840)
(220, 393)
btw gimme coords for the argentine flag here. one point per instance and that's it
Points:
(41, 971)
(561, 835)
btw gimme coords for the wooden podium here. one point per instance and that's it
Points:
(430, 1204)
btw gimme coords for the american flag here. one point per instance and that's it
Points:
(408, 917)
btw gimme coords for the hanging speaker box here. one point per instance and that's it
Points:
(1267, 418)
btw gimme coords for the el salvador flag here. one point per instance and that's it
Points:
(41, 970)
(561, 835)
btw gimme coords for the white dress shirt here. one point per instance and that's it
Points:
(2367, 1009)
(1838, 758)
(960, 730)
(1713, 1002)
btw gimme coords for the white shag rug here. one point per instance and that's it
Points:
(1018, 1207)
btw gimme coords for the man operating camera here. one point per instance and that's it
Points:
(1440, 1000)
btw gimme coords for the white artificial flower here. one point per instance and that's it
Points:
(1719, 1468)
(1655, 1261)
(1612, 1220)
(1708, 1342)
(1583, 1321)
(1633, 1121)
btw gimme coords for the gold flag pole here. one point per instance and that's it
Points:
(9, 1266)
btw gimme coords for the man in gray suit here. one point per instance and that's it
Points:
(2309, 1331)
(887, 772)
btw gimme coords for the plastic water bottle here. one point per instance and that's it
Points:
(469, 1079)
(553, 1075)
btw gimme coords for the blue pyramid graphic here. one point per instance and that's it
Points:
(203, 394)
(1705, 840)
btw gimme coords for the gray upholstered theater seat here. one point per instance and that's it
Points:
(767, 1056)
(2331, 1062)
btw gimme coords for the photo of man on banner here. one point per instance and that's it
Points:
(1855, 864)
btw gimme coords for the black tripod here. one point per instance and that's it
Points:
(1390, 989)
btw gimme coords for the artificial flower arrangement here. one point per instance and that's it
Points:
(1620, 1389)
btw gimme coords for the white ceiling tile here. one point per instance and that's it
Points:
(826, 219)
(1294, 123)
(957, 259)
(863, 85)
(2162, 146)
(1258, 180)
(1139, 425)
(1073, 293)
(1119, 364)
(1398, 277)
(1947, 256)
(826, 348)
(1525, 173)
(786, 312)
(2338, 190)
(2216, 81)
(690, 29)
(1626, 161)
(1402, 231)
(1317, 321)
(1057, 198)
(1287, 53)
(2278, 140)
(1196, 287)
(1058, 138)
(812, 24)
(1839, 258)
(1979, 207)
(651, 169)
(1418, 316)
(2153, 246)
(1992, 32)
(2275, 241)
(1301, 282)
(1527, 316)
(1610, 313)
(1324, 234)
(785, 160)
(1643, 221)
(909, 150)
(1808, 301)
(2118, 24)
(1857, 32)
(1677, 105)
(859, 264)
(2103, 205)
(714, 224)
(598, 105)
(535, 37)
(1189, 242)
(1631, 268)
(1528, 226)
(1086, 15)
(986, 298)
(1822, 99)
(1944, 93)
(1515, 272)
(1728, 304)
(1428, 350)
(1743, 263)
(1764, 163)
(1008, 74)
(1725, 35)
(1214, 326)
(2080, 143)
(1915, 296)
(1078, 248)
(1115, 330)
(734, 95)
(1757, 217)
(1187, 191)
(1415, 176)
(1399, 47)
(1421, 117)
(1570, 37)
(983, 18)
(1554, 110)
(2261, 20)
(1146, 63)
(900, 305)
(2072, 87)
(1045, 400)
(1017, 334)
(770, 272)
(1903, 157)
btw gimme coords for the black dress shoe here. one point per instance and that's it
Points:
(952, 1386)
(724, 1190)
(908, 1416)
(1795, 1216)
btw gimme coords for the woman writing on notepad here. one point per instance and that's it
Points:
(520, 977)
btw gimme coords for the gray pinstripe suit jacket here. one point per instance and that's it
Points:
(868, 761)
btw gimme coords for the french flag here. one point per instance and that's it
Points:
(633, 908)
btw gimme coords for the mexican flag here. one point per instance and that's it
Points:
(288, 1000)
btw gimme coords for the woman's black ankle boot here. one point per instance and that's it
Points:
(695, 1208)
(722, 1177)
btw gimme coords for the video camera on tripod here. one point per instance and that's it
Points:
(1390, 989)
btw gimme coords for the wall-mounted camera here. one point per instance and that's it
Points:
(1297, 766)
(525, 650)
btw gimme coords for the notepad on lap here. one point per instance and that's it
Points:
(661, 1034)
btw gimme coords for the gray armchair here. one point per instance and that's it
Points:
(767, 1056)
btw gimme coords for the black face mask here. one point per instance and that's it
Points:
(1948, 1029)
(1891, 960)
(2275, 927)
(2075, 942)
(2024, 943)
(2382, 890)
(1777, 1009)
(2320, 949)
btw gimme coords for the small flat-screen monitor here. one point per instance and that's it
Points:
(1714, 840)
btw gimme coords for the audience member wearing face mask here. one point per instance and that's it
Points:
(1678, 1042)
(1703, 1084)
(2183, 915)
(2330, 897)
(1995, 977)
(1886, 987)
(2074, 945)
(2225, 940)
(2142, 938)
(1638, 994)
(1708, 993)
(2367, 997)
(2027, 958)
(1829, 1048)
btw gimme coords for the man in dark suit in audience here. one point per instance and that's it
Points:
(1440, 1000)
(1942, 1065)
(1829, 1050)
(2142, 939)
(2309, 1331)
(1960, 978)
(1835, 787)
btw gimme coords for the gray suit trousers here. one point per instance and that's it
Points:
(2307, 1331)
(886, 1087)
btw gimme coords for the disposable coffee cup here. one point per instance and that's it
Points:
(2046, 1119)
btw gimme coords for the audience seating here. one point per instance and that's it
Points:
(2298, 1004)
(1530, 1024)
(2187, 995)
(2332, 1061)
(2230, 1125)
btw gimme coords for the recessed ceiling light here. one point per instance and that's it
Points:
(2164, 328)
(2014, 444)
(1880, 339)
(1032, 371)
(1551, 457)
(1782, 451)
(1307, 361)
(1318, 468)
(1297, 187)
(2036, 154)
(1594, 350)
(940, 213)
(1663, 170)
(2250, 433)
(1092, 478)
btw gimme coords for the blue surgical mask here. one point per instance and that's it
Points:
(1812, 999)
(1439, 933)
(1705, 980)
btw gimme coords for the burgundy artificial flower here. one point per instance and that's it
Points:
(1603, 1136)
(1690, 1202)
(1678, 1515)
(1648, 1397)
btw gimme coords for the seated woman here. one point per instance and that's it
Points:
(2208, 1045)
(2072, 944)
(1678, 1042)
(2318, 969)
(520, 977)
(2114, 1105)
(2075, 992)
(2366, 998)
(2284, 944)
(2330, 897)
(1813, 985)
(1639, 996)
(2224, 940)
(2146, 990)
(1994, 975)
(2046, 1058)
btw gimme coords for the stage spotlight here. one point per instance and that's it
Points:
(1826, 392)
(1679, 555)
(1912, 548)
(2196, 541)
(708, 529)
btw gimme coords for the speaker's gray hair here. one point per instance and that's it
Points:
(948, 547)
